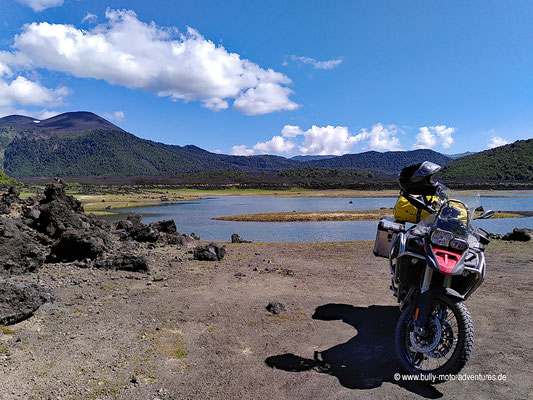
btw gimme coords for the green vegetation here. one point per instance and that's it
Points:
(359, 215)
(307, 216)
(390, 161)
(7, 331)
(6, 180)
(512, 162)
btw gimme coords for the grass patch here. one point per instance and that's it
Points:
(4, 350)
(7, 331)
(357, 215)
(171, 343)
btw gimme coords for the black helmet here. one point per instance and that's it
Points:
(417, 179)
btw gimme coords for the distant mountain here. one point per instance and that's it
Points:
(460, 155)
(80, 144)
(84, 144)
(390, 161)
(310, 158)
(68, 122)
(510, 162)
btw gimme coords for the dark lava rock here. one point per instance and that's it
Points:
(275, 307)
(136, 230)
(18, 302)
(80, 244)
(166, 226)
(495, 236)
(22, 250)
(61, 217)
(519, 234)
(237, 239)
(480, 208)
(59, 212)
(124, 261)
(209, 252)
(8, 199)
(177, 239)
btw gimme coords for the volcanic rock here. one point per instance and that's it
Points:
(136, 230)
(235, 238)
(123, 261)
(23, 250)
(275, 307)
(80, 244)
(18, 301)
(519, 234)
(166, 226)
(209, 252)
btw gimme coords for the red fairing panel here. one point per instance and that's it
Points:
(447, 260)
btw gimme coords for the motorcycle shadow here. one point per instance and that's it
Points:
(365, 361)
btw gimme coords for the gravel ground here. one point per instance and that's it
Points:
(200, 330)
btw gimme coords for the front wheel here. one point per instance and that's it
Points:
(448, 342)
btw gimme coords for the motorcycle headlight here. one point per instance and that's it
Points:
(441, 238)
(458, 244)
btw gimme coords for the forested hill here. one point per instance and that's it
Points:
(390, 161)
(81, 144)
(510, 162)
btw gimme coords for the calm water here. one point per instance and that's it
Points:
(196, 216)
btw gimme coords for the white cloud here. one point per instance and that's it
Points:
(382, 138)
(128, 52)
(276, 145)
(328, 140)
(90, 18)
(430, 137)
(329, 64)
(25, 92)
(290, 131)
(241, 151)
(496, 141)
(115, 116)
(264, 99)
(40, 5)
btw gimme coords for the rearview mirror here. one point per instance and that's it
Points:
(485, 215)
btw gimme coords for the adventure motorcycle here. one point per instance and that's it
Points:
(435, 265)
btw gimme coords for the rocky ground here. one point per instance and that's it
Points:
(165, 325)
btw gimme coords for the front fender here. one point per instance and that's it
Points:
(423, 303)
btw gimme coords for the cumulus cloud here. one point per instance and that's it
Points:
(115, 116)
(325, 140)
(25, 92)
(496, 141)
(329, 64)
(90, 18)
(276, 145)
(241, 150)
(40, 5)
(328, 140)
(181, 66)
(434, 136)
(264, 99)
(382, 138)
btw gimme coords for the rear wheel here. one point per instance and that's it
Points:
(447, 344)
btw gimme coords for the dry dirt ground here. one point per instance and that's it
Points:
(199, 330)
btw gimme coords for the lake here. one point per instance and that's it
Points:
(196, 216)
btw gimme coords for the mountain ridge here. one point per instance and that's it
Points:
(81, 143)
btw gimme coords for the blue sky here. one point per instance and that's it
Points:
(278, 77)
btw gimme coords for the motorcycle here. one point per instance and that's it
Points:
(436, 264)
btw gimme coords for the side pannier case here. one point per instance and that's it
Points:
(387, 232)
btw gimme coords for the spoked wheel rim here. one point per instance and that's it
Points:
(431, 352)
